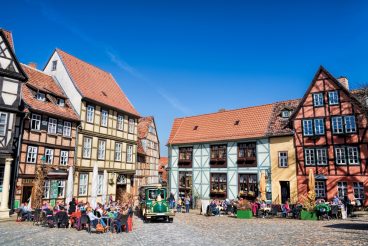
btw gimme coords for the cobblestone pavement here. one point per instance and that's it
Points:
(194, 229)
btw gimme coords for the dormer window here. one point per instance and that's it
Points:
(195, 128)
(285, 113)
(61, 102)
(236, 122)
(40, 96)
(54, 65)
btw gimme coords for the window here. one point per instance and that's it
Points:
(308, 127)
(87, 145)
(309, 157)
(185, 156)
(320, 189)
(83, 184)
(40, 96)
(61, 188)
(353, 155)
(144, 144)
(350, 125)
(218, 155)
(52, 126)
(3, 123)
(67, 129)
(64, 155)
(248, 185)
(61, 102)
(319, 126)
(131, 126)
(120, 124)
(46, 189)
(32, 154)
(118, 147)
(333, 97)
(358, 190)
(337, 126)
(101, 149)
(185, 182)
(247, 154)
(283, 159)
(285, 113)
(36, 122)
(54, 65)
(100, 184)
(129, 153)
(49, 156)
(218, 185)
(342, 189)
(104, 117)
(150, 129)
(318, 99)
(90, 113)
(321, 157)
(340, 156)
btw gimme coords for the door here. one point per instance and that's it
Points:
(285, 191)
(27, 191)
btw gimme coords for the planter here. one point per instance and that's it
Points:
(244, 214)
(306, 215)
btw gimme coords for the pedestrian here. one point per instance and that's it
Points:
(171, 200)
(180, 203)
(72, 206)
(187, 203)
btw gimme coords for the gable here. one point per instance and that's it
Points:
(9, 65)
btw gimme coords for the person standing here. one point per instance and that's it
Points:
(72, 206)
(187, 203)
(180, 202)
(171, 200)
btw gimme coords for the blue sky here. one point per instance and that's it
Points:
(180, 58)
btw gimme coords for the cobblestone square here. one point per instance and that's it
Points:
(194, 229)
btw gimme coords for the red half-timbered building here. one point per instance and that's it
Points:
(331, 138)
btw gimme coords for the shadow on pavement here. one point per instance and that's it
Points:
(355, 226)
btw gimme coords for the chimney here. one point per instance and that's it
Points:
(32, 65)
(221, 110)
(9, 37)
(344, 82)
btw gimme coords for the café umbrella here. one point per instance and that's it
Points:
(69, 190)
(94, 186)
(262, 186)
(104, 187)
(311, 182)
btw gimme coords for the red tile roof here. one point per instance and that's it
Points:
(95, 84)
(37, 80)
(140, 148)
(252, 123)
(163, 161)
(280, 126)
(143, 126)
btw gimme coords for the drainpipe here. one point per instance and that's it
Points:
(76, 149)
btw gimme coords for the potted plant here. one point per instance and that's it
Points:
(309, 207)
(244, 210)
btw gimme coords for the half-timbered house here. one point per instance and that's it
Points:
(48, 138)
(12, 77)
(331, 139)
(108, 132)
(220, 155)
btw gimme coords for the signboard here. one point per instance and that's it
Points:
(54, 189)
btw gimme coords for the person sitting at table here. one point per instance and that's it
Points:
(94, 219)
(335, 200)
(25, 212)
(61, 218)
(285, 209)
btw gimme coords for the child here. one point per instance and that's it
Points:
(180, 202)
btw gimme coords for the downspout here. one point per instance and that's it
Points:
(76, 149)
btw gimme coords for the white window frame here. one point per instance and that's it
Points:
(52, 127)
(333, 98)
(318, 99)
(40, 96)
(101, 149)
(310, 157)
(61, 185)
(321, 157)
(320, 188)
(3, 124)
(337, 125)
(342, 188)
(54, 65)
(100, 184)
(87, 147)
(49, 156)
(350, 121)
(90, 114)
(319, 129)
(64, 157)
(283, 159)
(308, 125)
(358, 188)
(129, 158)
(285, 113)
(61, 102)
(131, 126)
(32, 154)
(83, 184)
(46, 189)
(67, 129)
(118, 150)
(340, 156)
(120, 122)
(104, 117)
(353, 155)
(36, 120)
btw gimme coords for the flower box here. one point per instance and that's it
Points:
(306, 215)
(244, 214)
